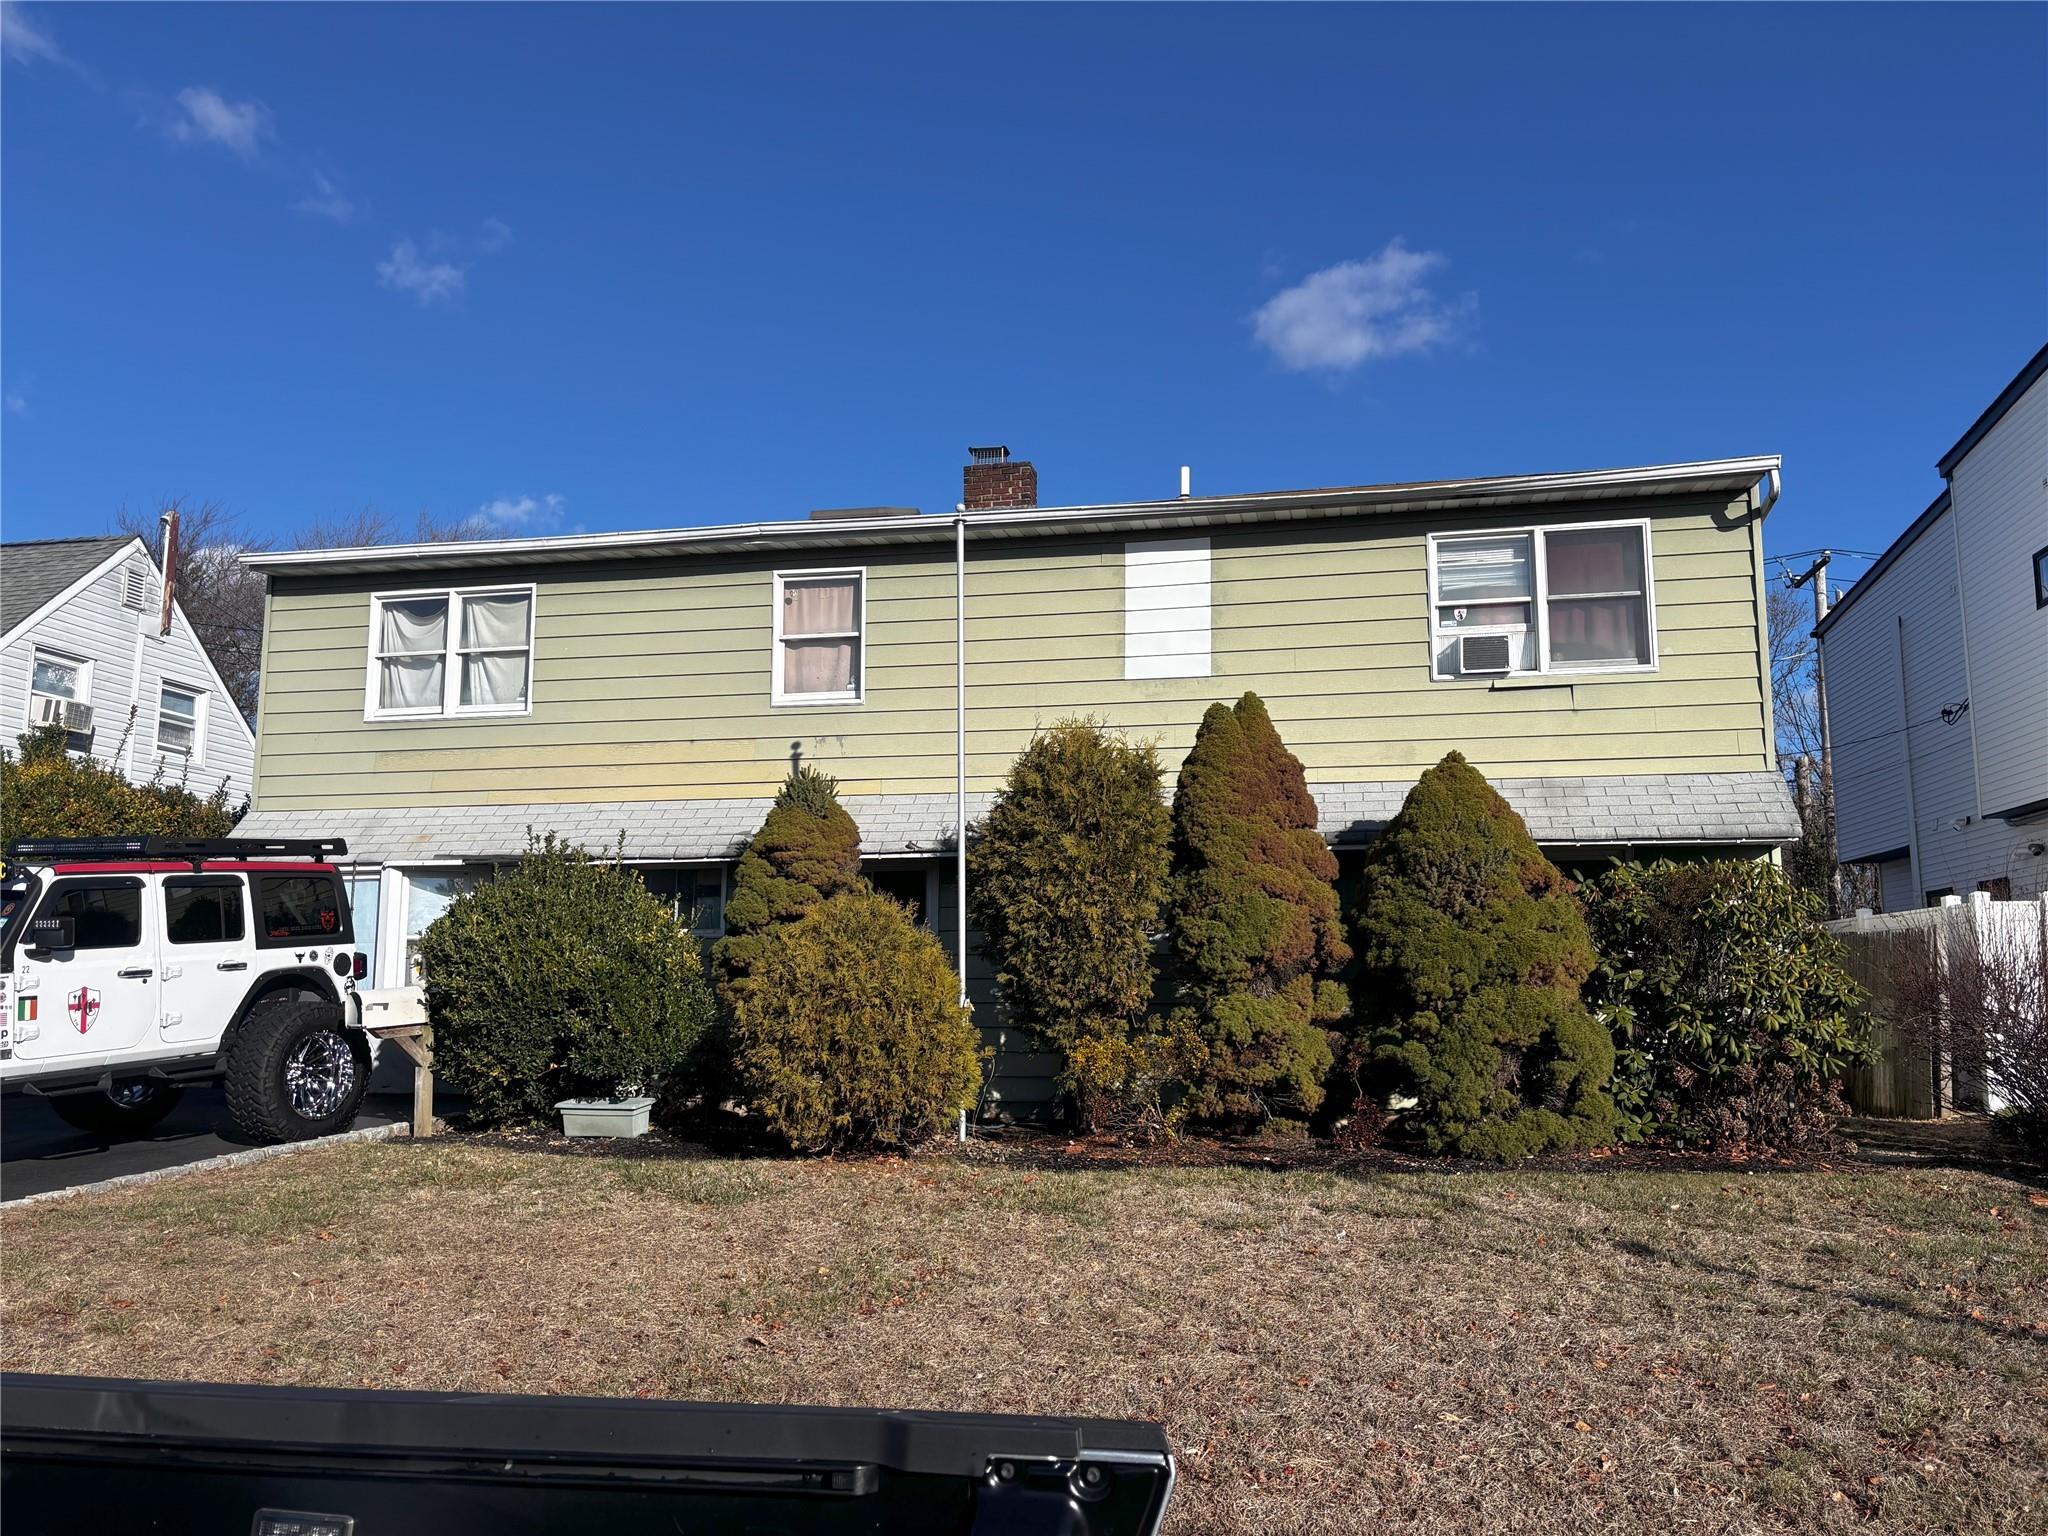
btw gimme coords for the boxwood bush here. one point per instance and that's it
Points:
(1733, 1017)
(848, 1030)
(1471, 952)
(563, 977)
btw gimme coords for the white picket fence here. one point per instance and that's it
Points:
(1923, 1072)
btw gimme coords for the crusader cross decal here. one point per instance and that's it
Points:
(84, 1008)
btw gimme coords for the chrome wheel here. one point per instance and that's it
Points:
(130, 1095)
(319, 1075)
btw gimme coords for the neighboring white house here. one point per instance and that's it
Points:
(1937, 672)
(80, 645)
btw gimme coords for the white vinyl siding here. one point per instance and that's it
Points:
(2000, 495)
(1166, 608)
(130, 663)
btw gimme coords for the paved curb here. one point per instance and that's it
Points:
(207, 1164)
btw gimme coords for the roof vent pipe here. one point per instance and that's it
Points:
(1184, 479)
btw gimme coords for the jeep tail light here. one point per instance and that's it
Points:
(362, 965)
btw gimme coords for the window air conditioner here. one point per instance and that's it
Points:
(48, 709)
(1481, 655)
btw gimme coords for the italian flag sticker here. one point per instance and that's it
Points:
(25, 1010)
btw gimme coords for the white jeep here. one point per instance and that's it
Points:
(131, 967)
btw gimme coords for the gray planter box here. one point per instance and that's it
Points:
(605, 1117)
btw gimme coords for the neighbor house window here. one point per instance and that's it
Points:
(450, 653)
(695, 896)
(1563, 599)
(2041, 577)
(180, 722)
(818, 617)
(60, 693)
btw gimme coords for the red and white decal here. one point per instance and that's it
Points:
(84, 1008)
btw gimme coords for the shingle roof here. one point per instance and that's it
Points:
(36, 570)
(1725, 808)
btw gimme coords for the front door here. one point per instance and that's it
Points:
(98, 997)
(205, 954)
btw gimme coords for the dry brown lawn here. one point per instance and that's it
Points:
(1437, 1352)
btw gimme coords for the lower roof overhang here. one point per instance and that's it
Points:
(1584, 816)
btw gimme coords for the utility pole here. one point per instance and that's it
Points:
(1817, 574)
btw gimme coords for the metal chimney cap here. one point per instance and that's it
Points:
(997, 453)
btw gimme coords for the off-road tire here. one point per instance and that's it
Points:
(260, 1095)
(101, 1115)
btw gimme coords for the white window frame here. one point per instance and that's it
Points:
(1539, 625)
(451, 706)
(64, 658)
(196, 758)
(859, 635)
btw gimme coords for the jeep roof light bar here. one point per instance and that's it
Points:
(193, 850)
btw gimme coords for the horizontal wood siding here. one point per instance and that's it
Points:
(651, 678)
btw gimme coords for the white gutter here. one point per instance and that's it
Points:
(1734, 474)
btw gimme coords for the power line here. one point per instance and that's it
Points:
(1949, 714)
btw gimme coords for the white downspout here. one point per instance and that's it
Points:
(960, 761)
(960, 748)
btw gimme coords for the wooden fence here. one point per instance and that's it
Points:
(1923, 1070)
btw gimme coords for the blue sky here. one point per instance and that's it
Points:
(613, 267)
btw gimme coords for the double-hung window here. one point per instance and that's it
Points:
(457, 652)
(818, 651)
(180, 723)
(60, 693)
(1573, 599)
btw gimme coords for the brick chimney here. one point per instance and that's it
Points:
(993, 480)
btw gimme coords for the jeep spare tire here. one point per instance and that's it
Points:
(126, 1109)
(295, 1072)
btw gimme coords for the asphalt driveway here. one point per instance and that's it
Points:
(39, 1152)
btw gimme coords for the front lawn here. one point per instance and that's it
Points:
(1438, 1352)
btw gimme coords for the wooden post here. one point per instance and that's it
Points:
(417, 1041)
(423, 1086)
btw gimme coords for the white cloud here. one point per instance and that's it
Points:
(326, 201)
(430, 282)
(14, 402)
(1345, 315)
(522, 511)
(22, 40)
(204, 116)
(496, 235)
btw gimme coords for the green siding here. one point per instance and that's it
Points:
(651, 678)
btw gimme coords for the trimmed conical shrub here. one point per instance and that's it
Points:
(1472, 950)
(1064, 881)
(808, 849)
(1253, 917)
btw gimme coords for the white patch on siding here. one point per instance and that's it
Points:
(1166, 608)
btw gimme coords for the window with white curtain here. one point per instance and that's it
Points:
(180, 722)
(818, 618)
(458, 652)
(1569, 599)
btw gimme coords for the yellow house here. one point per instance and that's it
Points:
(1593, 641)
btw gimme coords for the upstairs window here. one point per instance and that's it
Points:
(450, 653)
(180, 722)
(818, 617)
(1549, 599)
(60, 693)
